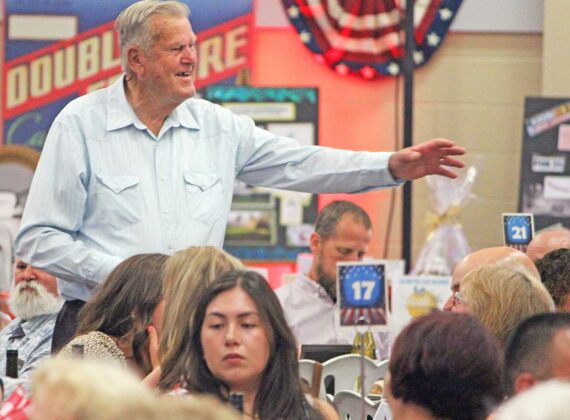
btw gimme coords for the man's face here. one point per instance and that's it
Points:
(34, 293)
(349, 243)
(168, 69)
(25, 272)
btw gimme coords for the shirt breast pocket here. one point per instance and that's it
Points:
(204, 196)
(118, 198)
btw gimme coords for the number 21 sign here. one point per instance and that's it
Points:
(518, 229)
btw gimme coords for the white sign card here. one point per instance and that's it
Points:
(415, 296)
(362, 294)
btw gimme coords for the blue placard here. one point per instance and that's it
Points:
(362, 293)
(518, 228)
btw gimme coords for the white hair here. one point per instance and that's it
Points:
(30, 299)
(546, 401)
(133, 23)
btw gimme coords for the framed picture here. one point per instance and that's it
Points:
(251, 228)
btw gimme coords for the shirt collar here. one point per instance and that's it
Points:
(121, 114)
(313, 287)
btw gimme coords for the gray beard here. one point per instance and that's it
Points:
(28, 304)
(327, 283)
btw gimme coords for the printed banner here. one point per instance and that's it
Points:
(57, 50)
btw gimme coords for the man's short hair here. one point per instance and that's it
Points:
(528, 348)
(331, 214)
(132, 24)
(554, 269)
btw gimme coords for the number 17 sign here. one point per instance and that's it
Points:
(518, 230)
(361, 288)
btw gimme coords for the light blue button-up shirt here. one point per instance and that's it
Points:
(107, 188)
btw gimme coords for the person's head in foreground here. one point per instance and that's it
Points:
(186, 276)
(74, 389)
(125, 305)
(501, 297)
(444, 366)
(554, 269)
(539, 349)
(548, 241)
(34, 293)
(504, 255)
(241, 343)
(546, 401)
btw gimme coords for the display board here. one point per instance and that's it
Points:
(545, 171)
(57, 50)
(270, 224)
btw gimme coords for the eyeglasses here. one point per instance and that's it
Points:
(457, 298)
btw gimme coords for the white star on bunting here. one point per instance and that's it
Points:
(445, 14)
(418, 57)
(293, 12)
(433, 39)
(393, 68)
(305, 36)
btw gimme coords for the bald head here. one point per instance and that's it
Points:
(548, 241)
(503, 255)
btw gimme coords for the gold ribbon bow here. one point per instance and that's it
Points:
(433, 220)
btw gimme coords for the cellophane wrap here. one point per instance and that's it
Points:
(446, 243)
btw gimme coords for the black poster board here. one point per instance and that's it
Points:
(267, 224)
(545, 167)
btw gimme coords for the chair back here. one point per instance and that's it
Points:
(349, 405)
(311, 371)
(383, 412)
(345, 370)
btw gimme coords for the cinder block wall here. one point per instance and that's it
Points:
(473, 91)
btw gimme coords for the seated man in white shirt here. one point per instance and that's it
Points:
(342, 234)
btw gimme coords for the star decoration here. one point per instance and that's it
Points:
(367, 72)
(293, 12)
(305, 37)
(445, 14)
(342, 69)
(418, 57)
(433, 39)
(393, 68)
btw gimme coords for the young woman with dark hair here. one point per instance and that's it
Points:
(241, 343)
(444, 366)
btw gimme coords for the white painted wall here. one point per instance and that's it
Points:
(474, 15)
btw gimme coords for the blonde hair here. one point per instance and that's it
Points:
(501, 297)
(133, 24)
(70, 389)
(187, 274)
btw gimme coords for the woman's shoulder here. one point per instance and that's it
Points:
(96, 346)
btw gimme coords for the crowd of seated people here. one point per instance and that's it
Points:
(194, 329)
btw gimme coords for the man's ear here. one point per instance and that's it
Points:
(315, 242)
(523, 382)
(135, 58)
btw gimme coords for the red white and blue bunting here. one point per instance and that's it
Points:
(365, 37)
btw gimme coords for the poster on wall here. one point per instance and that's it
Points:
(545, 172)
(265, 223)
(57, 50)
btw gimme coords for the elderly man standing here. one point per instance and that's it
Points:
(142, 166)
(35, 302)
